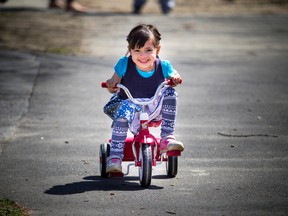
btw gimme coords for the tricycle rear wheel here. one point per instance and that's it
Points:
(103, 155)
(172, 166)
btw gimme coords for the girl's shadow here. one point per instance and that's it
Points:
(93, 183)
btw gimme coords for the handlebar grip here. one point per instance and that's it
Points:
(103, 85)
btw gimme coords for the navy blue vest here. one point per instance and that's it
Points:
(141, 87)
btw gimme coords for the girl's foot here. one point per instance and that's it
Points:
(169, 143)
(114, 164)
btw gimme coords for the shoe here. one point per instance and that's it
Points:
(169, 143)
(114, 164)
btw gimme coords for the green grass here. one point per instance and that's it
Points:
(11, 208)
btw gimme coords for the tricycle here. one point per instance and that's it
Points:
(144, 148)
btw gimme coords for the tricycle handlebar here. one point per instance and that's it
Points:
(169, 82)
(142, 103)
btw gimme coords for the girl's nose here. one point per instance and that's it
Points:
(142, 54)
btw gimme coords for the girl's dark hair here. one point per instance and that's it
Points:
(139, 35)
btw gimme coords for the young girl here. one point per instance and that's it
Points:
(141, 73)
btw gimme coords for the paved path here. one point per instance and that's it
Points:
(235, 82)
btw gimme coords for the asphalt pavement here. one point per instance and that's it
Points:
(233, 120)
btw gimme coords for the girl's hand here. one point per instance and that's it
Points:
(176, 78)
(111, 83)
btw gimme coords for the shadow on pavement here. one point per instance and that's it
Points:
(94, 183)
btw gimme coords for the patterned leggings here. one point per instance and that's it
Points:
(126, 112)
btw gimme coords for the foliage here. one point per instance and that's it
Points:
(11, 208)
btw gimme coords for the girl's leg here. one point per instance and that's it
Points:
(166, 5)
(124, 115)
(69, 4)
(52, 2)
(169, 111)
(119, 134)
(138, 4)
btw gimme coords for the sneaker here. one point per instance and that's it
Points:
(114, 164)
(169, 143)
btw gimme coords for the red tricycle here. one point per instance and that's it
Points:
(143, 148)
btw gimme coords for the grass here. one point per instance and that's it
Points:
(11, 208)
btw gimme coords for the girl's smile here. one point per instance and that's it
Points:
(143, 62)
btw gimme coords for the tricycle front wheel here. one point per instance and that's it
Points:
(145, 170)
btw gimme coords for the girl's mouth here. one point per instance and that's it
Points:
(144, 61)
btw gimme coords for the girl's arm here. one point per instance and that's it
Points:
(170, 73)
(115, 79)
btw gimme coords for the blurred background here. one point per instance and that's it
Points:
(29, 25)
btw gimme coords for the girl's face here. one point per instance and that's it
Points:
(145, 56)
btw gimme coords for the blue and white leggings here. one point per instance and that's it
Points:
(123, 113)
